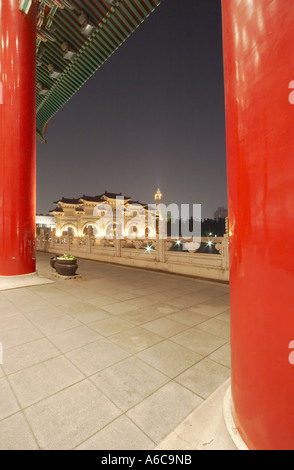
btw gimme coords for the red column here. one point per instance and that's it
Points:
(17, 139)
(259, 68)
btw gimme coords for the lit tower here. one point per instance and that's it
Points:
(158, 196)
(160, 225)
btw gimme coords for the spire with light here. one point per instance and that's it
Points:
(158, 195)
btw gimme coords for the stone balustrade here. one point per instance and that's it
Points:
(210, 261)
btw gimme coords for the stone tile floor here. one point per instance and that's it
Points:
(115, 360)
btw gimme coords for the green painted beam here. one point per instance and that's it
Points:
(114, 24)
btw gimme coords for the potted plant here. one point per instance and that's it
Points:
(66, 265)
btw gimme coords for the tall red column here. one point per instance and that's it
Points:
(17, 139)
(259, 68)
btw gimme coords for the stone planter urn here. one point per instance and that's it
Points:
(66, 265)
(52, 262)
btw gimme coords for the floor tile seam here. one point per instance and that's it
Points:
(51, 395)
(199, 323)
(204, 331)
(76, 348)
(27, 342)
(16, 305)
(36, 293)
(141, 350)
(4, 332)
(188, 308)
(20, 410)
(169, 379)
(187, 327)
(204, 398)
(22, 344)
(11, 315)
(117, 314)
(108, 424)
(83, 323)
(45, 334)
(212, 334)
(106, 337)
(132, 327)
(176, 425)
(172, 379)
(125, 411)
(88, 300)
(109, 337)
(204, 355)
(59, 356)
(122, 410)
(97, 371)
(217, 363)
(159, 316)
(9, 374)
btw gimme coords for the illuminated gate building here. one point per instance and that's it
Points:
(101, 215)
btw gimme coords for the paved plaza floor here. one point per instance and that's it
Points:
(115, 360)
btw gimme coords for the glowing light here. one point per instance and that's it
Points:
(101, 232)
(151, 234)
(148, 248)
(158, 195)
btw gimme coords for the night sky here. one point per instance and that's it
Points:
(152, 116)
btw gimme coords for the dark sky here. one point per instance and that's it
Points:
(152, 116)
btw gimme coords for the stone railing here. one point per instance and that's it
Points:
(210, 261)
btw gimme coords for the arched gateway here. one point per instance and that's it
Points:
(259, 72)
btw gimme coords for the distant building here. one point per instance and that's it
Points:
(88, 215)
(45, 221)
(221, 213)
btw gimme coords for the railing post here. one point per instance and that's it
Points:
(88, 243)
(117, 247)
(161, 247)
(51, 238)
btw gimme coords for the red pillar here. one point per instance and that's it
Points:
(259, 67)
(17, 139)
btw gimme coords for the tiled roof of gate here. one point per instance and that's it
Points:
(68, 201)
(103, 196)
(100, 198)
